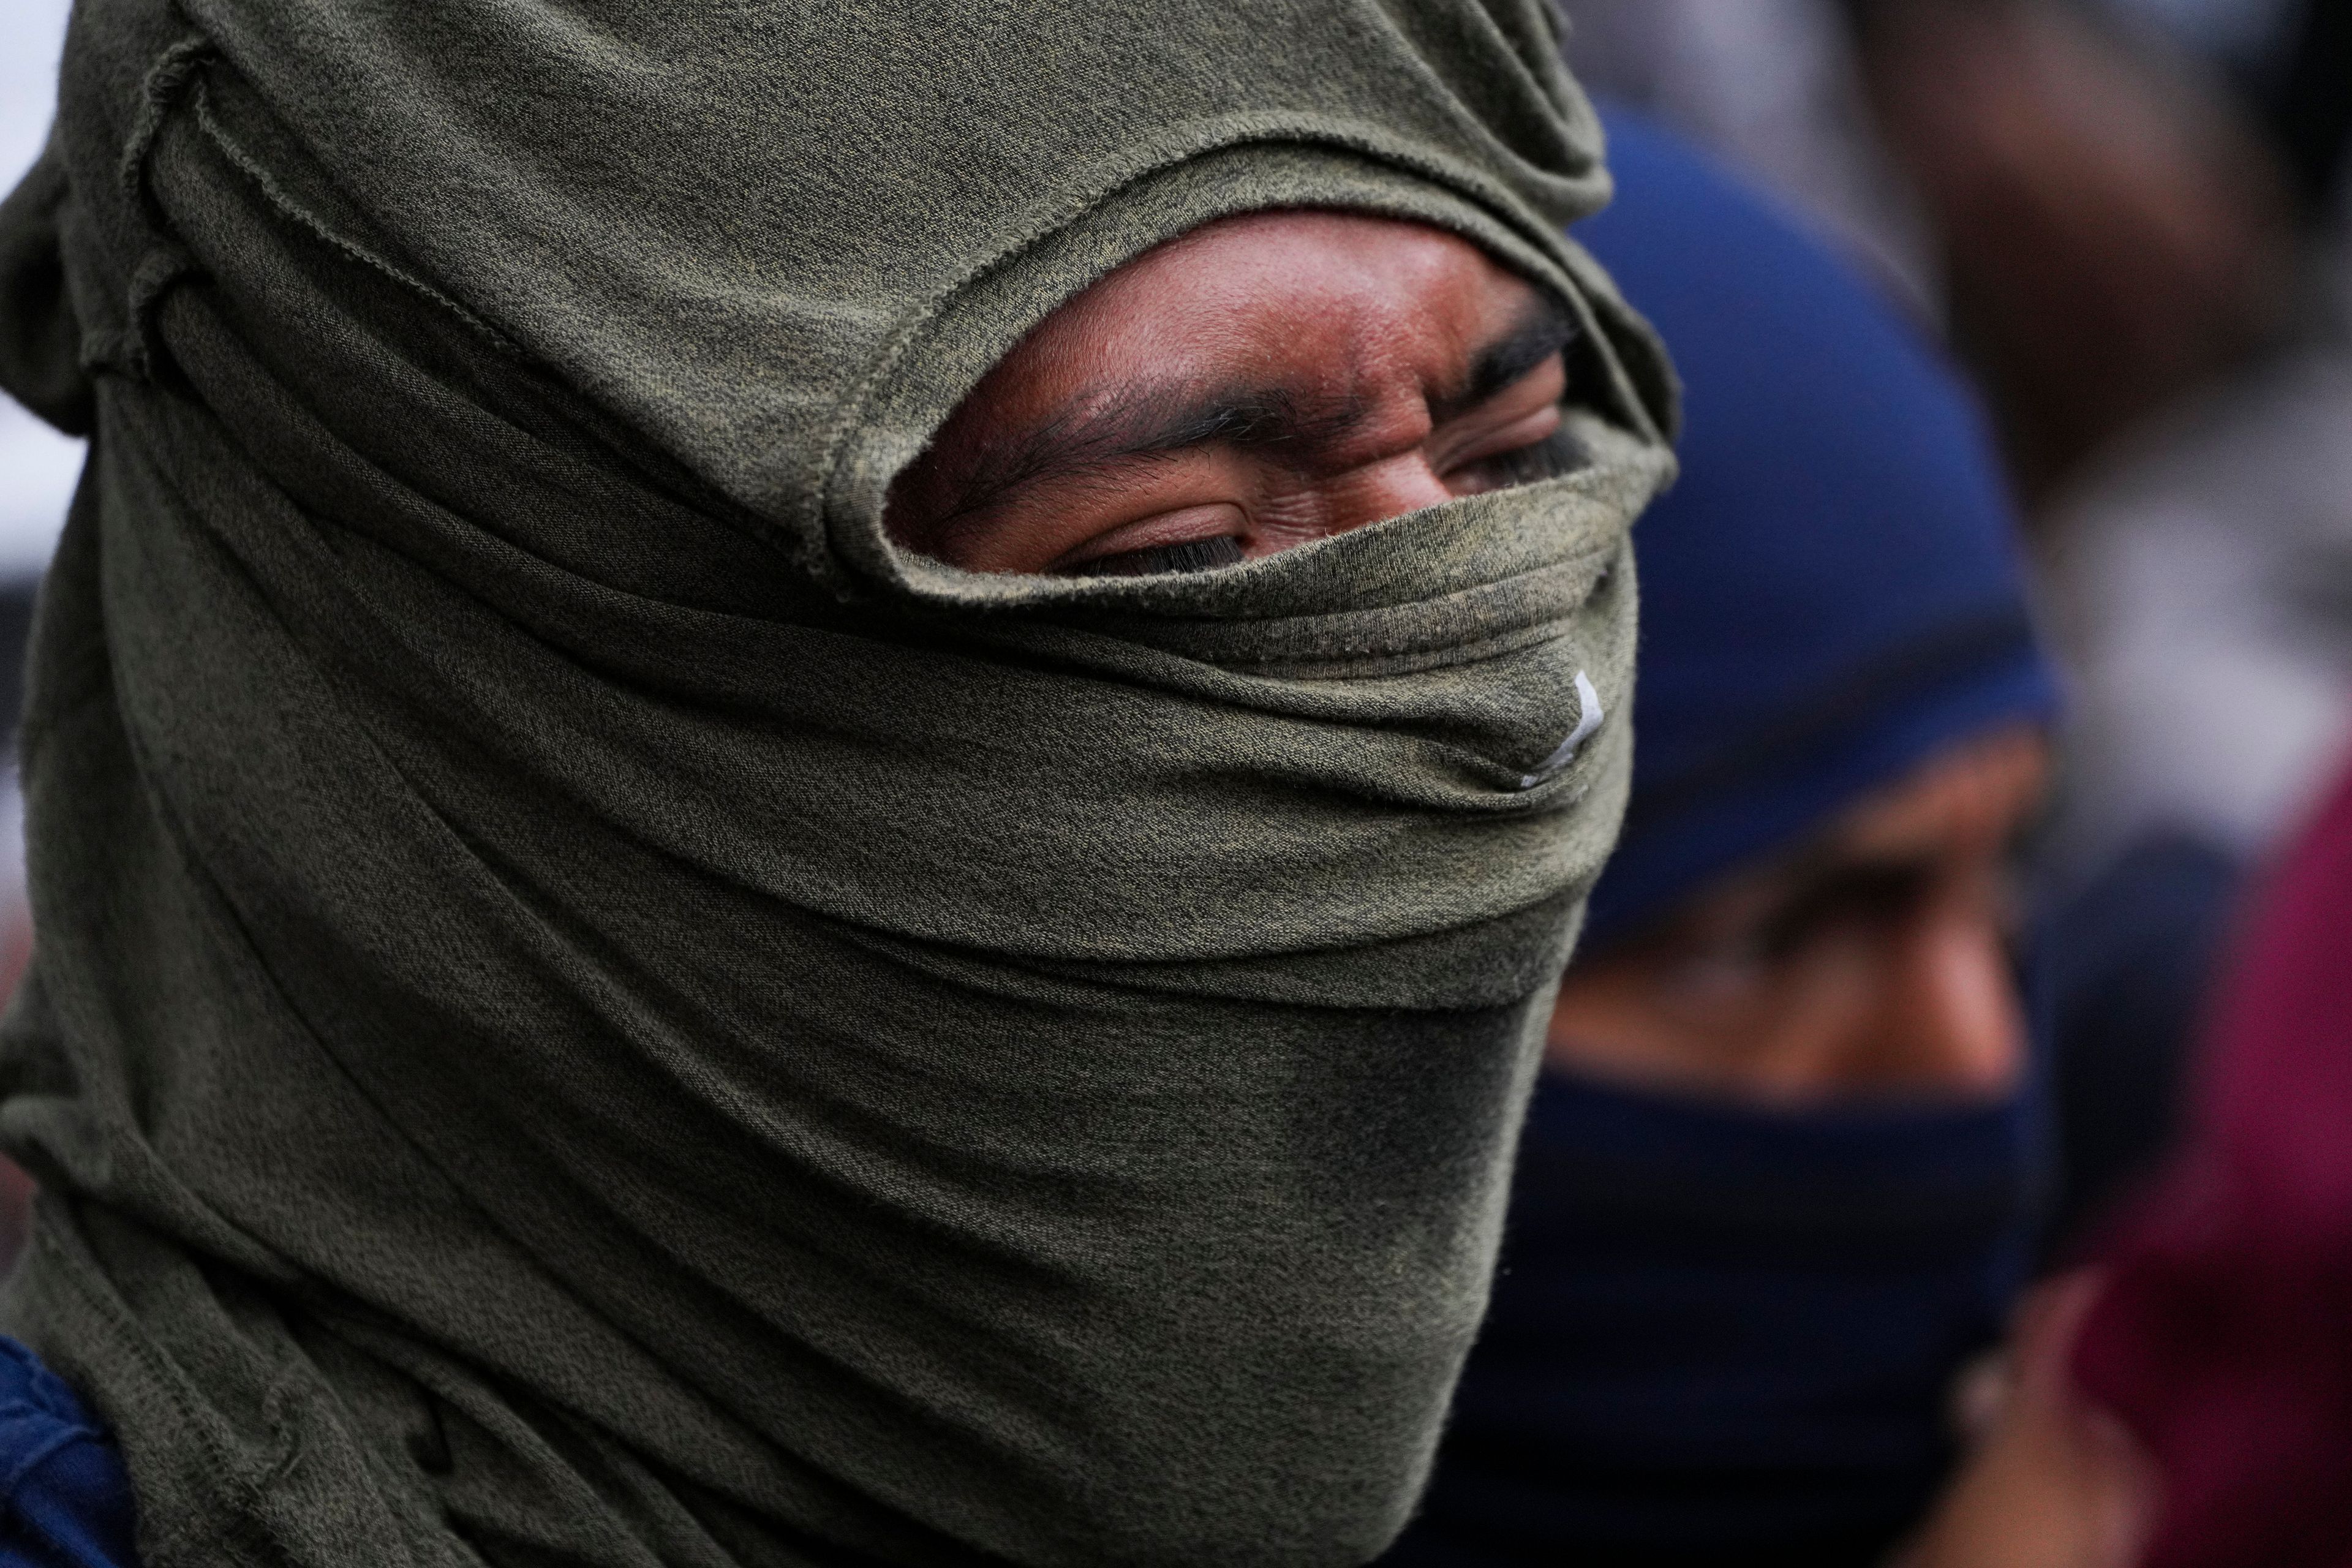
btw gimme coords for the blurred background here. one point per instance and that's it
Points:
(2127, 220)
(37, 470)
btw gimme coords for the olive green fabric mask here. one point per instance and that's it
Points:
(588, 1010)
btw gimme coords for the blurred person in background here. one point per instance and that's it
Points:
(1779, 1181)
(2185, 1401)
(2127, 216)
(2113, 234)
(2138, 229)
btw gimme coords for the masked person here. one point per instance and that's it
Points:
(1777, 1179)
(2186, 1400)
(628, 973)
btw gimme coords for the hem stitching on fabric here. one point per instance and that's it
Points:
(250, 166)
(1207, 142)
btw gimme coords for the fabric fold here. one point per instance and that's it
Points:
(588, 1008)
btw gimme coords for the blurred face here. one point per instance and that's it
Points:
(1257, 383)
(1876, 958)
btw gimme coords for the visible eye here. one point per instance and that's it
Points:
(1556, 454)
(1189, 555)
(1869, 896)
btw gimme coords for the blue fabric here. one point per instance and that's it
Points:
(1832, 592)
(2126, 958)
(65, 1499)
(1724, 1335)
(1727, 1336)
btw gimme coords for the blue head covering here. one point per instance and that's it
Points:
(1832, 592)
(1721, 1333)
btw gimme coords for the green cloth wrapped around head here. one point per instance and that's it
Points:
(591, 1008)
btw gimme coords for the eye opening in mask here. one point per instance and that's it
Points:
(1269, 379)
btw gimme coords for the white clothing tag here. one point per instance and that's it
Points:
(1588, 720)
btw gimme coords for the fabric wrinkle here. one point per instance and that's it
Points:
(789, 1053)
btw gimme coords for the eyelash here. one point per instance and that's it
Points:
(1556, 456)
(1190, 555)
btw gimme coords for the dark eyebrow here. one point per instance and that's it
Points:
(1544, 330)
(1159, 419)
(1144, 423)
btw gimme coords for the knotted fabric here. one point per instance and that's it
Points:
(587, 1008)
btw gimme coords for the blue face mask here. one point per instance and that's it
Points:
(1727, 1335)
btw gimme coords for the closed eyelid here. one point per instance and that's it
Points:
(1555, 456)
(1182, 555)
(1162, 423)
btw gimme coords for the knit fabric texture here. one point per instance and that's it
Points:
(588, 1009)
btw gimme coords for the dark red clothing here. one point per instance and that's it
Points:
(2225, 1336)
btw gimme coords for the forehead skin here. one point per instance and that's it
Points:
(1334, 345)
